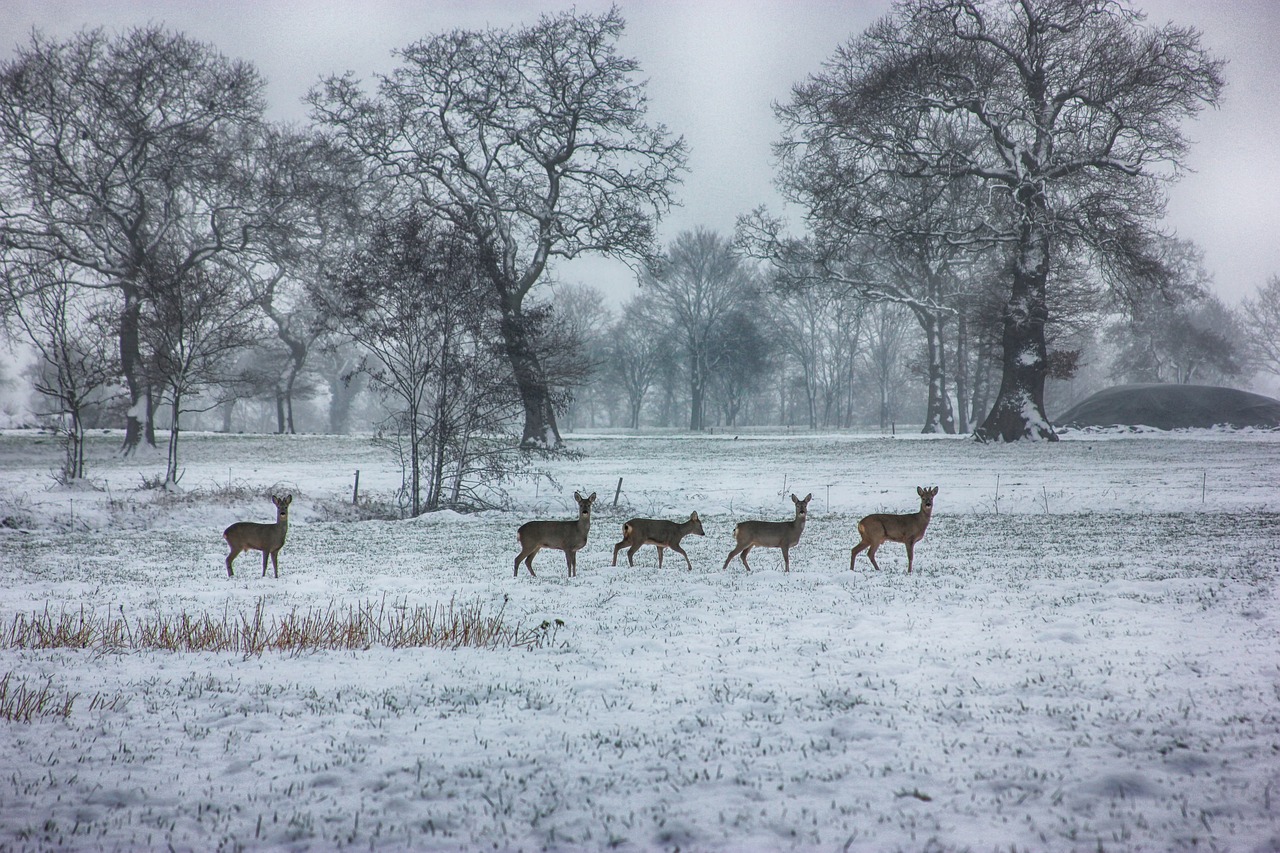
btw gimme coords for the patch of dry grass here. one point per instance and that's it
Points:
(256, 632)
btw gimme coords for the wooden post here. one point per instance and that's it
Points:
(355, 493)
(617, 492)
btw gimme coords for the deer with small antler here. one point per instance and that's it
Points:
(256, 536)
(908, 529)
(770, 534)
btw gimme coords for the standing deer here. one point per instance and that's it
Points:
(567, 536)
(877, 529)
(656, 531)
(255, 536)
(770, 534)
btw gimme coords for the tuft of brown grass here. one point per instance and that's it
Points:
(256, 632)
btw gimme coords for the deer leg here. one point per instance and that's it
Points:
(231, 558)
(527, 556)
(786, 558)
(911, 547)
(617, 548)
(729, 558)
(871, 555)
(631, 555)
(275, 563)
(681, 552)
(743, 557)
(854, 554)
(264, 562)
(571, 560)
(660, 552)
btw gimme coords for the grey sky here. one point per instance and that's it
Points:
(715, 67)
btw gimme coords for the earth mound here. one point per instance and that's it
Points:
(1173, 407)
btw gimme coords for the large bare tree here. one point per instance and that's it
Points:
(111, 146)
(1067, 115)
(533, 140)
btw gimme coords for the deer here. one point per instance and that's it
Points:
(567, 536)
(908, 529)
(770, 534)
(255, 536)
(656, 531)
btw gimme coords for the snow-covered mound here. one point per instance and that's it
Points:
(1173, 407)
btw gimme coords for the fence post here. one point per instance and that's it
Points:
(355, 492)
(616, 493)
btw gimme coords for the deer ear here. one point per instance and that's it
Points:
(808, 498)
(693, 516)
(920, 491)
(576, 495)
(794, 498)
(592, 498)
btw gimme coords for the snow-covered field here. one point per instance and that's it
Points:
(1086, 657)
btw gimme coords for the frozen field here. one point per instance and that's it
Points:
(1086, 657)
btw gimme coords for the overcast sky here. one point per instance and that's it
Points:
(715, 67)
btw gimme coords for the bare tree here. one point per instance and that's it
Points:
(111, 145)
(1065, 112)
(201, 318)
(69, 329)
(888, 333)
(1199, 340)
(635, 354)
(743, 359)
(694, 287)
(414, 301)
(532, 140)
(585, 321)
(1261, 316)
(316, 190)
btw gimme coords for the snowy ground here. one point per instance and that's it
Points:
(1087, 656)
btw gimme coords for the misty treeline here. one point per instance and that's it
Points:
(975, 194)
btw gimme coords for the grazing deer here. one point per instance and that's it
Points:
(770, 534)
(883, 527)
(567, 536)
(656, 531)
(254, 536)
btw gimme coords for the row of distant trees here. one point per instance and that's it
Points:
(710, 340)
(979, 187)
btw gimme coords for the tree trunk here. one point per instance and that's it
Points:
(697, 391)
(938, 414)
(962, 374)
(540, 430)
(171, 471)
(1018, 411)
(139, 421)
(279, 412)
(341, 396)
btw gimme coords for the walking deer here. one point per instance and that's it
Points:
(567, 536)
(656, 531)
(255, 536)
(770, 534)
(909, 529)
